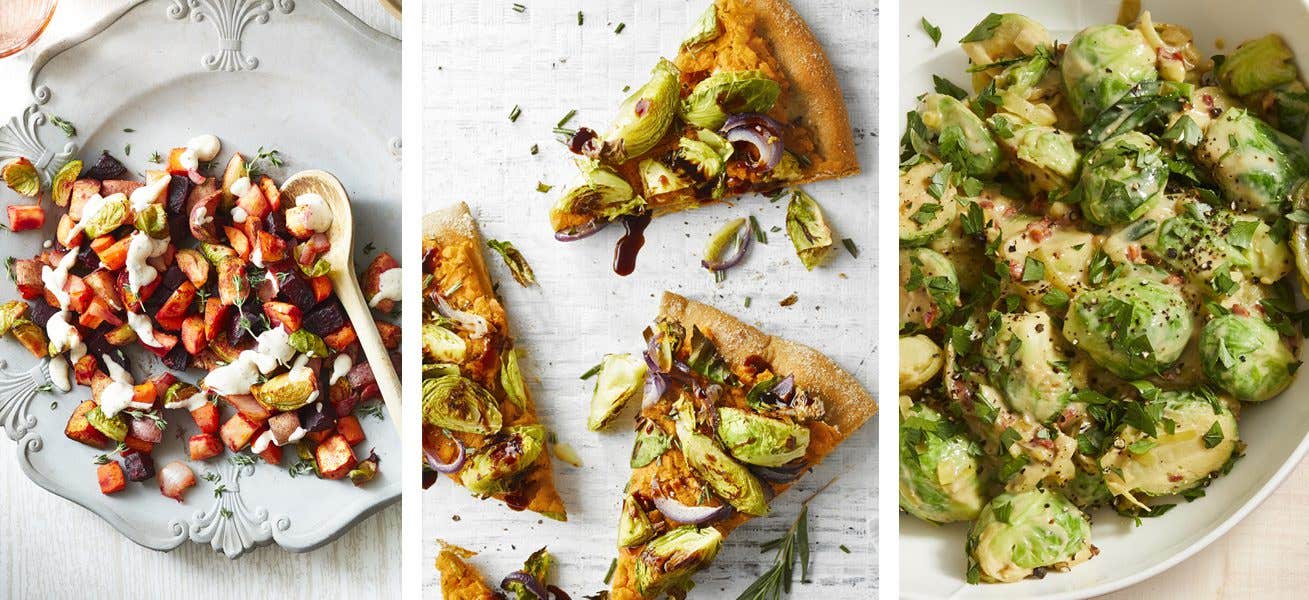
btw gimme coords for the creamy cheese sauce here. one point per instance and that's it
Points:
(117, 396)
(150, 193)
(144, 328)
(141, 248)
(238, 214)
(193, 403)
(236, 377)
(318, 216)
(238, 189)
(200, 148)
(388, 287)
(261, 443)
(340, 367)
(55, 279)
(59, 374)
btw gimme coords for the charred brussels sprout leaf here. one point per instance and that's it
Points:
(457, 403)
(651, 443)
(600, 193)
(758, 440)
(514, 259)
(442, 345)
(808, 230)
(21, 177)
(1257, 65)
(705, 28)
(511, 379)
(634, 525)
(668, 561)
(493, 466)
(114, 428)
(729, 479)
(306, 342)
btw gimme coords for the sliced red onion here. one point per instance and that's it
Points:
(528, 580)
(444, 467)
(783, 474)
(655, 386)
(691, 515)
(145, 429)
(784, 388)
(739, 248)
(573, 234)
(759, 132)
(195, 176)
(473, 323)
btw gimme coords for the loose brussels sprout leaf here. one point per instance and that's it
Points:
(808, 230)
(114, 428)
(21, 177)
(1044, 159)
(363, 473)
(153, 221)
(707, 151)
(10, 313)
(492, 466)
(920, 360)
(939, 472)
(538, 565)
(758, 440)
(1177, 456)
(1257, 65)
(318, 269)
(1121, 179)
(1246, 357)
(668, 561)
(514, 259)
(961, 137)
(705, 28)
(670, 334)
(729, 479)
(727, 93)
(1147, 106)
(1103, 62)
(431, 370)
(61, 188)
(645, 116)
(460, 404)
(1018, 533)
(658, 178)
(1256, 167)
(1289, 111)
(633, 525)
(929, 288)
(927, 202)
(706, 360)
(442, 345)
(1024, 362)
(600, 193)
(511, 379)
(289, 391)
(620, 379)
(306, 342)
(651, 443)
(111, 215)
(1134, 326)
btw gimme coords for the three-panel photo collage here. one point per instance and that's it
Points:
(594, 299)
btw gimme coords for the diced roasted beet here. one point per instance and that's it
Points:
(177, 359)
(178, 189)
(41, 312)
(168, 284)
(326, 318)
(361, 375)
(313, 419)
(99, 347)
(248, 322)
(293, 286)
(139, 466)
(346, 404)
(87, 260)
(106, 167)
(275, 223)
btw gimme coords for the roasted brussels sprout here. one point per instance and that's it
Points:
(1192, 438)
(929, 288)
(1027, 364)
(1043, 158)
(1100, 65)
(644, 117)
(658, 178)
(508, 454)
(1257, 167)
(1016, 534)
(939, 468)
(808, 230)
(633, 525)
(729, 479)
(707, 152)
(442, 345)
(457, 403)
(667, 562)
(1208, 245)
(1257, 65)
(1246, 357)
(599, 193)
(927, 204)
(288, 391)
(726, 93)
(619, 380)
(758, 440)
(1121, 178)
(1134, 326)
(961, 138)
(920, 361)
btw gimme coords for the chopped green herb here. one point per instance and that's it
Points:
(543, 188)
(791, 546)
(932, 31)
(591, 372)
(850, 247)
(519, 8)
(580, 18)
(535, 149)
(63, 124)
(620, 28)
(515, 113)
(568, 117)
(758, 232)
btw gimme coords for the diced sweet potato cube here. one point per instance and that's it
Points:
(272, 455)
(247, 405)
(271, 193)
(238, 241)
(169, 323)
(322, 287)
(317, 437)
(83, 189)
(217, 315)
(390, 333)
(65, 234)
(254, 203)
(206, 418)
(84, 370)
(237, 432)
(80, 430)
(105, 285)
(284, 314)
(204, 446)
(271, 247)
(113, 256)
(335, 458)
(193, 334)
(178, 302)
(232, 285)
(341, 339)
(349, 428)
(137, 444)
(111, 477)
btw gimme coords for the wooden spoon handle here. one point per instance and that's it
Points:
(361, 317)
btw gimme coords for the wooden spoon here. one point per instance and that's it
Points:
(344, 281)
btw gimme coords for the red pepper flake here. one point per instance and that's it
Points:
(642, 107)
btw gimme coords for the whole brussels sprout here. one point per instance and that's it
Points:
(923, 215)
(1100, 65)
(728, 479)
(758, 440)
(1043, 158)
(1134, 326)
(1257, 65)
(1257, 167)
(670, 559)
(938, 467)
(1246, 357)
(458, 403)
(1193, 437)
(929, 288)
(1018, 533)
(726, 93)
(1027, 364)
(1002, 37)
(1121, 178)
(645, 116)
(507, 454)
(961, 137)
(920, 361)
(598, 193)
(1206, 244)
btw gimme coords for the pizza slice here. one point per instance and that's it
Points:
(731, 418)
(749, 104)
(479, 422)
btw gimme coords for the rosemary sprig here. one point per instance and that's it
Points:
(776, 581)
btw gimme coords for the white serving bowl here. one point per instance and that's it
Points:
(932, 563)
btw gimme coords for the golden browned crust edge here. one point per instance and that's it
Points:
(813, 85)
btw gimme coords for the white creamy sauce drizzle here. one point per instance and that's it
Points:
(150, 193)
(388, 287)
(236, 377)
(117, 396)
(340, 367)
(318, 216)
(144, 328)
(199, 149)
(300, 361)
(261, 443)
(141, 248)
(239, 215)
(59, 373)
(93, 206)
(55, 279)
(238, 189)
(191, 404)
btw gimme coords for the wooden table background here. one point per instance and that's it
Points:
(68, 552)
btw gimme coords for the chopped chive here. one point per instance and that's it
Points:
(747, 302)
(127, 150)
(850, 247)
(564, 121)
(129, 130)
(580, 19)
(613, 564)
(535, 149)
(515, 113)
(519, 8)
(844, 549)
(620, 28)
(592, 371)
(759, 234)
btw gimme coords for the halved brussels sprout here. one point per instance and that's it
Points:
(114, 428)
(306, 342)
(1100, 65)
(1246, 357)
(153, 221)
(939, 471)
(619, 380)
(508, 454)
(1028, 365)
(729, 479)
(999, 38)
(758, 440)
(727, 93)
(1257, 65)
(961, 137)
(1134, 326)
(658, 178)
(645, 116)
(1043, 158)
(511, 379)
(707, 152)
(600, 193)
(288, 391)
(1087, 489)
(1207, 244)
(1194, 436)
(667, 562)
(633, 524)
(1121, 178)
(1256, 167)
(111, 214)
(929, 288)
(704, 29)
(1019, 533)
(923, 215)
(920, 361)
(460, 404)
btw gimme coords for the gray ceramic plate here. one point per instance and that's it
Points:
(304, 77)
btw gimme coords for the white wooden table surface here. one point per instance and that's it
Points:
(482, 59)
(67, 552)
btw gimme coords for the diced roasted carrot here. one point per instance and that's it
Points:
(216, 317)
(80, 430)
(271, 193)
(284, 314)
(271, 247)
(179, 302)
(322, 287)
(111, 477)
(349, 428)
(203, 446)
(237, 432)
(85, 369)
(79, 295)
(232, 285)
(145, 393)
(26, 216)
(390, 333)
(317, 437)
(83, 189)
(272, 455)
(98, 311)
(113, 256)
(193, 334)
(238, 241)
(194, 265)
(65, 234)
(138, 445)
(105, 286)
(169, 323)
(206, 418)
(335, 458)
(248, 406)
(175, 166)
(341, 339)
(166, 343)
